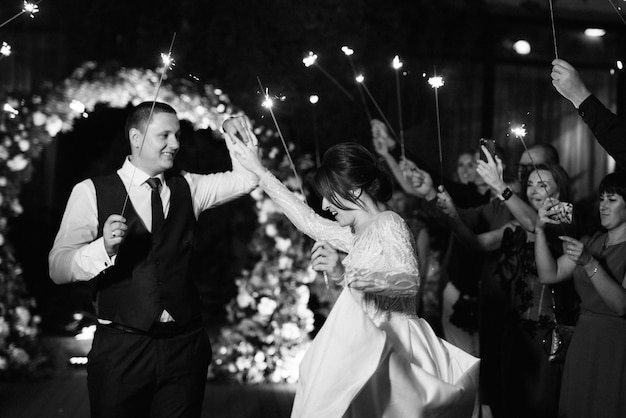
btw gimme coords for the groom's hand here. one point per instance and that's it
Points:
(239, 127)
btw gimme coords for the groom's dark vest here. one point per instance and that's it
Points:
(151, 272)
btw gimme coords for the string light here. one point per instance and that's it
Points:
(618, 9)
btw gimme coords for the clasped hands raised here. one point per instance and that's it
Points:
(243, 143)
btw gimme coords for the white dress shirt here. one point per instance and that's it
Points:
(79, 255)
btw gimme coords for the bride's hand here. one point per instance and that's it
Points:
(246, 152)
(326, 259)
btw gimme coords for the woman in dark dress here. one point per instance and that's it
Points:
(530, 383)
(594, 379)
(527, 382)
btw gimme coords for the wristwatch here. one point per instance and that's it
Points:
(506, 194)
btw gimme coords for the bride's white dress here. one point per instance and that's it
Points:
(374, 357)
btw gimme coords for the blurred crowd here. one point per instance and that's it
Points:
(513, 272)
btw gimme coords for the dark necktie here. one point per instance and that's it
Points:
(157, 206)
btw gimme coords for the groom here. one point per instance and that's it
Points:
(132, 231)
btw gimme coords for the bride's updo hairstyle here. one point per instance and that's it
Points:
(349, 166)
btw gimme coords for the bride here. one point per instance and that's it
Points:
(374, 357)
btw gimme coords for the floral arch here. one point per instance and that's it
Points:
(268, 323)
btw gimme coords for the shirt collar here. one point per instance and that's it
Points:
(129, 171)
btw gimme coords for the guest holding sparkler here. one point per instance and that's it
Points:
(594, 379)
(132, 232)
(529, 383)
(609, 130)
(466, 193)
(494, 217)
(458, 284)
(373, 357)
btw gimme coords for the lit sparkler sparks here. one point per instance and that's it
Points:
(311, 59)
(168, 61)
(519, 131)
(166, 65)
(436, 82)
(348, 52)
(314, 99)
(30, 8)
(360, 78)
(268, 103)
(397, 64)
(5, 50)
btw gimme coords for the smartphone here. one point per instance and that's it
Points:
(490, 144)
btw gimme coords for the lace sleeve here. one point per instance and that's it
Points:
(305, 218)
(386, 263)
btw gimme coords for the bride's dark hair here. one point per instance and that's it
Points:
(347, 167)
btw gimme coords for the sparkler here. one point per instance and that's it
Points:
(268, 103)
(617, 10)
(436, 82)
(314, 98)
(311, 59)
(519, 132)
(397, 64)
(31, 8)
(5, 50)
(360, 78)
(348, 53)
(167, 63)
(556, 53)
